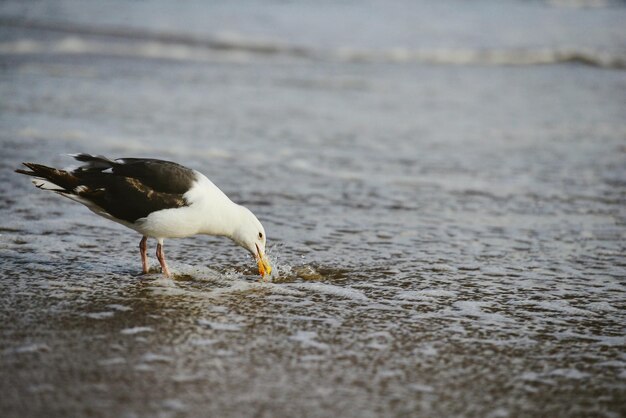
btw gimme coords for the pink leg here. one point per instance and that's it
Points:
(143, 249)
(161, 256)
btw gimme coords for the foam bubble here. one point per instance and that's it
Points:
(307, 339)
(136, 330)
(343, 292)
(219, 326)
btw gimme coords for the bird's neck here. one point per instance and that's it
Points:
(221, 219)
(218, 215)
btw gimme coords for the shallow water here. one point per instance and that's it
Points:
(448, 239)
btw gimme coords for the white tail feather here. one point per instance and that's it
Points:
(47, 185)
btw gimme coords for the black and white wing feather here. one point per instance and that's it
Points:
(126, 189)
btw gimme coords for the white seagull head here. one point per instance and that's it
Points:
(250, 234)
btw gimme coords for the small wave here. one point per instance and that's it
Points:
(149, 44)
(582, 4)
(75, 45)
(495, 57)
(100, 315)
(308, 339)
(28, 348)
(136, 330)
(219, 326)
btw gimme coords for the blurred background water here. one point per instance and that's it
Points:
(443, 185)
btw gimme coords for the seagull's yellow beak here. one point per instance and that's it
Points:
(265, 269)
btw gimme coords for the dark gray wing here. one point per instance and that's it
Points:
(126, 198)
(162, 176)
(127, 189)
(132, 188)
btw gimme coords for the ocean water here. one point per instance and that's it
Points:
(442, 183)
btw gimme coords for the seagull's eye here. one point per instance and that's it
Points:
(261, 235)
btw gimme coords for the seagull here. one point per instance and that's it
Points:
(159, 199)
